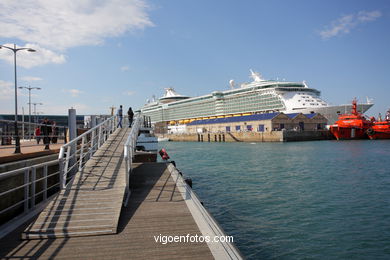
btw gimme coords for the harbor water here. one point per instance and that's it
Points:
(297, 200)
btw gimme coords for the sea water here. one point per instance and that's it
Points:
(296, 200)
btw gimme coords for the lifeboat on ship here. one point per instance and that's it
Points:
(380, 129)
(351, 126)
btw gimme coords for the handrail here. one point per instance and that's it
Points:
(89, 142)
(129, 148)
(27, 193)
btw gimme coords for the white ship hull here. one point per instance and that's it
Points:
(332, 112)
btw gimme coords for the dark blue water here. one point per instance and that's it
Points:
(298, 200)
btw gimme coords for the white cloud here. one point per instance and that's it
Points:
(346, 23)
(31, 78)
(73, 92)
(7, 90)
(129, 93)
(125, 68)
(28, 59)
(61, 24)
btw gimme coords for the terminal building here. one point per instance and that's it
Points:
(253, 123)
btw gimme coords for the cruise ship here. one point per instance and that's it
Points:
(257, 96)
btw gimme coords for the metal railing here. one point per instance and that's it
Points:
(7, 134)
(129, 149)
(34, 187)
(35, 184)
(77, 152)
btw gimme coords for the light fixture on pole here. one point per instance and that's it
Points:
(17, 139)
(35, 110)
(29, 107)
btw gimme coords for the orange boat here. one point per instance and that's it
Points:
(351, 126)
(380, 129)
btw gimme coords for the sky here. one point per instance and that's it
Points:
(91, 55)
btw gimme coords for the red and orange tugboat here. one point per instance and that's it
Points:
(351, 126)
(380, 129)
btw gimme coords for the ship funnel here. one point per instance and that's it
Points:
(305, 84)
(232, 84)
(256, 76)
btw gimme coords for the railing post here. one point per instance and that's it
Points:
(99, 136)
(33, 185)
(26, 189)
(81, 153)
(65, 176)
(61, 166)
(45, 169)
(92, 142)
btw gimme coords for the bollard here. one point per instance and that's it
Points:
(189, 182)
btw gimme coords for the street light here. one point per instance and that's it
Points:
(14, 49)
(29, 107)
(35, 110)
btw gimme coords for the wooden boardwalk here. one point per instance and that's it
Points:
(156, 207)
(92, 202)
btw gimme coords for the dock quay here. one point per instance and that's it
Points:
(110, 206)
(272, 136)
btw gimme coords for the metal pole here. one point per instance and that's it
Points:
(17, 141)
(22, 123)
(29, 113)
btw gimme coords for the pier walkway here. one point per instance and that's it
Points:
(156, 207)
(91, 204)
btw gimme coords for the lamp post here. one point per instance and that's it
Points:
(29, 107)
(35, 110)
(14, 49)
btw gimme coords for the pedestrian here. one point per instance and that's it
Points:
(54, 130)
(130, 114)
(46, 131)
(38, 134)
(120, 116)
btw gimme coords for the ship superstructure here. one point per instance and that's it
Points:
(257, 96)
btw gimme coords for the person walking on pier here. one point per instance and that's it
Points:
(54, 133)
(130, 114)
(38, 134)
(46, 131)
(120, 116)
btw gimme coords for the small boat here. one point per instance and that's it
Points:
(351, 126)
(162, 139)
(380, 129)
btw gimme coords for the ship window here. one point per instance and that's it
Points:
(238, 128)
(304, 104)
(299, 100)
